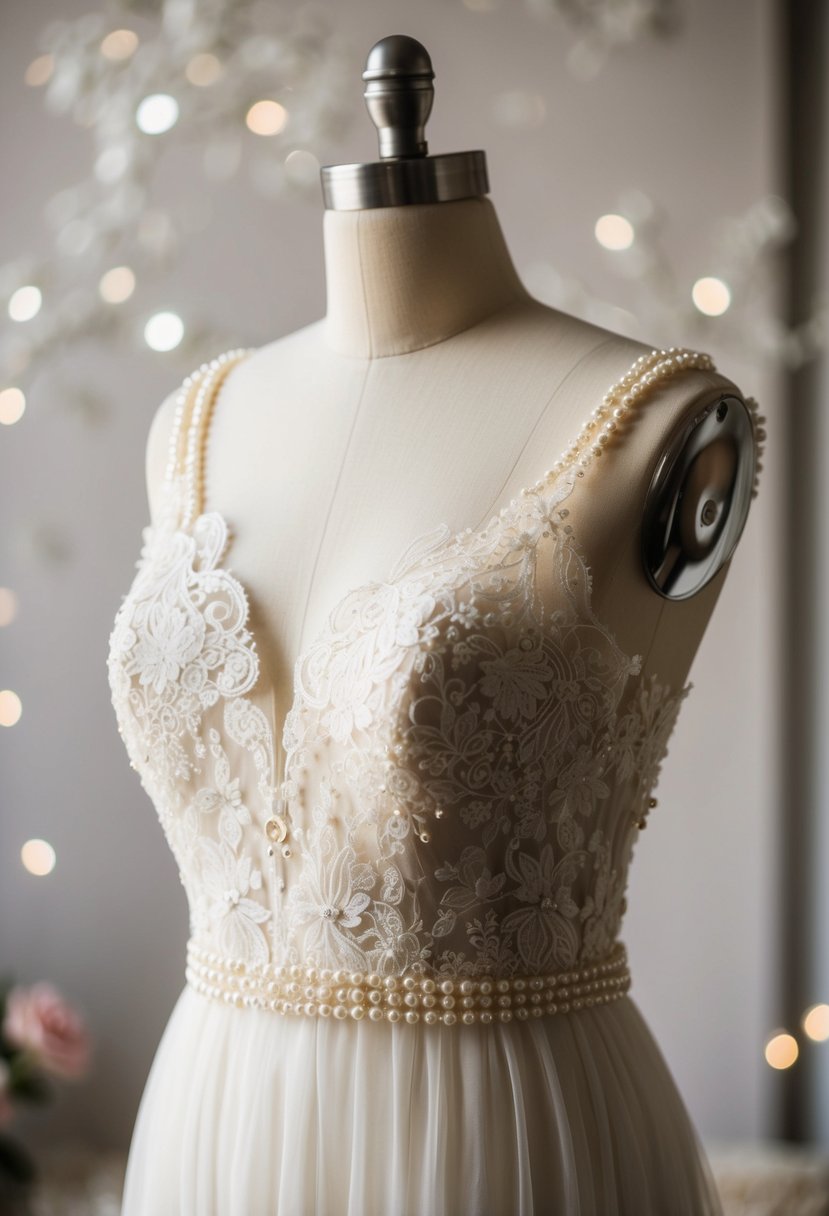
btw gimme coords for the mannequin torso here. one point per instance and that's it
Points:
(433, 391)
(396, 912)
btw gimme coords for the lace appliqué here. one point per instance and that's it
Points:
(181, 632)
(179, 647)
(468, 754)
(483, 743)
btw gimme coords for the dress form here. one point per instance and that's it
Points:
(334, 447)
(353, 898)
(432, 391)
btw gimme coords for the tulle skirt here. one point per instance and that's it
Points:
(251, 1113)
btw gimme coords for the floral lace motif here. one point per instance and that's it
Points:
(469, 754)
(496, 754)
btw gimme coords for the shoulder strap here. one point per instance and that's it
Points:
(637, 384)
(184, 477)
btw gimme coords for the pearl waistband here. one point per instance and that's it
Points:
(319, 992)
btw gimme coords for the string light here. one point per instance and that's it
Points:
(38, 857)
(266, 118)
(157, 114)
(25, 303)
(126, 87)
(119, 191)
(40, 70)
(614, 232)
(816, 1023)
(117, 285)
(750, 245)
(164, 331)
(781, 1051)
(120, 44)
(10, 707)
(8, 606)
(203, 70)
(711, 296)
(12, 405)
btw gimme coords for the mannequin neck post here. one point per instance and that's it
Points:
(402, 278)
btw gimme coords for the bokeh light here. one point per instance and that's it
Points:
(266, 118)
(117, 285)
(203, 70)
(10, 707)
(120, 44)
(157, 114)
(12, 405)
(614, 232)
(164, 331)
(816, 1023)
(38, 857)
(25, 303)
(8, 606)
(711, 296)
(781, 1050)
(40, 70)
(302, 167)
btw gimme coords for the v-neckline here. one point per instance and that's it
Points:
(435, 543)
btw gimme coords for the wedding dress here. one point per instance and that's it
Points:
(406, 994)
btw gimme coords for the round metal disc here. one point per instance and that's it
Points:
(698, 499)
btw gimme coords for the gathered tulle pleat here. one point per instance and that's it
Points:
(248, 1113)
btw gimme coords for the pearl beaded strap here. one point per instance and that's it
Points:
(188, 436)
(193, 410)
(644, 375)
(317, 992)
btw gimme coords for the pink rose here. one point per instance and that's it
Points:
(6, 1111)
(40, 1021)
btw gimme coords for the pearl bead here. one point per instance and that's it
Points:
(296, 989)
(646, 372)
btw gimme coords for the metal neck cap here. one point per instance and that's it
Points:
(399, 95)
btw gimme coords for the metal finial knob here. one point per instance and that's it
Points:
(399, 94)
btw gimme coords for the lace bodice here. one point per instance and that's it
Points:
(469, 755)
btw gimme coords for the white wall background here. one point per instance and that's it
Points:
(691, 121)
